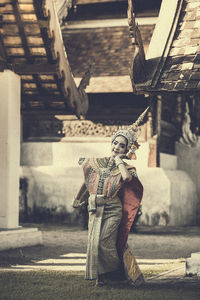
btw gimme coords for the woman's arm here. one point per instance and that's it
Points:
(126, 176)
(81, 198)
(81, 191)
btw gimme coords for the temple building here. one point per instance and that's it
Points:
(102, 39)
(72, 73)
(169, 74)
(35, 78)
(97, 42)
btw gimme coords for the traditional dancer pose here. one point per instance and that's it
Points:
(114, 194)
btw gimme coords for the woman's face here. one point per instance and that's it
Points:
(119, 146)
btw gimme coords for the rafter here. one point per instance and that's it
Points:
(21, 31)
(43, 98)
(31, 42)
(41, 90)
(48, 42)
(42, 68)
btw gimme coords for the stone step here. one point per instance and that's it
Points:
(195, 255)
(193, 264)
(20, 237)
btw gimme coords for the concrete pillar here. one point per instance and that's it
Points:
(9, 149)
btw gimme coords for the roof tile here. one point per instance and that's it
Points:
(192, 84)
(190, 50)
(109, 49)
(174, 60)
(197, 24)
(195, 33)
(188, 25)
(183, 34)
(194, 42)
(188, 58)
(192, 5)
(181, 42)
(173, 76)
(187, 66)
(176, 51)
(185, 75)
(198, 13)
(175, 67)
(168, 85)
(197, 66)
(190, 16)
(182, 67)
(180, 85)
(195, 76)
(197, 58)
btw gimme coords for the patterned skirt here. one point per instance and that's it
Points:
(102, 256)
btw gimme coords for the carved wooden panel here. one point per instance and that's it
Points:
(44, 127)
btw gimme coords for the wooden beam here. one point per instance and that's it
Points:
(3, 52)
(20, 24)
(41, 90)
(40, 68)
(59, 84)
(39, 5)
(42, 98)
(54, 111)
(48, 42)
(46, 100)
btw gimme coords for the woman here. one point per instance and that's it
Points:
(114, 198)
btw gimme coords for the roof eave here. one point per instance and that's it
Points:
(158, 49)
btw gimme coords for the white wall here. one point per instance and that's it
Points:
(67, 154)
(189, 161)
(54, 178)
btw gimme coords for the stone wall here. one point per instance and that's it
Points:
(189, 161)
(169, 198)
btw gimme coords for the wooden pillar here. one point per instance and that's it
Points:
(158, 127)
(152, 140)
(152, 132)
(9, 149)
(180, 108)
(195, 113)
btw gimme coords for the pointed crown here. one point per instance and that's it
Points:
(131, 132)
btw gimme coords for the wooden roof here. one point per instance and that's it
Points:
(172, 62)
(107, 44)
(31, 45)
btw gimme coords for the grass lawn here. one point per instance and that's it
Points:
(56, 285)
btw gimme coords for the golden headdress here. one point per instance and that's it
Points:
(131, 134)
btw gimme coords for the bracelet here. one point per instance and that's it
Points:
(118, 160)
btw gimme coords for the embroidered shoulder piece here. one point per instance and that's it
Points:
(81, 160)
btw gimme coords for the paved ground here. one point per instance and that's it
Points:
(162, 250)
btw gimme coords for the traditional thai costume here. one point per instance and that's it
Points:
(112, 206)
